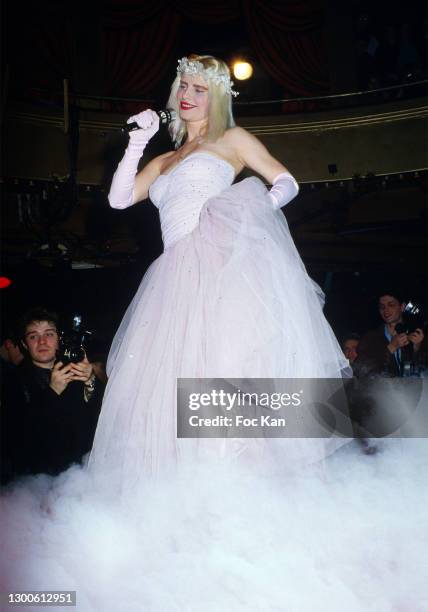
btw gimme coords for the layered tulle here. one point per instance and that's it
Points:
(231, 299)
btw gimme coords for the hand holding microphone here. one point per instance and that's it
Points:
(121, 193)
(141, 128)
(137, 122)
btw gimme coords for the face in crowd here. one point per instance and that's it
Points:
(350, 349)
(390, 309)
(14, 354)
(42, 342)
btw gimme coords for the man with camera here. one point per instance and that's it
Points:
(386, 350)
(51, 407)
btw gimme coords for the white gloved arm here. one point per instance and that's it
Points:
(284, 189)
(121, 193)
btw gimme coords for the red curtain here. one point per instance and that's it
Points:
(287, 37)
(214, 12)
(288, 40)
(136, 58)
(139, 41)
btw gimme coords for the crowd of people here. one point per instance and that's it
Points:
(50, 409)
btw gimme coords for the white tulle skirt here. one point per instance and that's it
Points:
(231, 299)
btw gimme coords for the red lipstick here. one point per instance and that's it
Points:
(186, 106)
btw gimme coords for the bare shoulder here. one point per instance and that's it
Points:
(253, 154)
(237, 135)
(240, 141)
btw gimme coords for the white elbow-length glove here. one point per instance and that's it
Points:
(121, 193)
(284, 189)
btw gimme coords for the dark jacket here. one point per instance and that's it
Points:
(43, 432)
(374, 357)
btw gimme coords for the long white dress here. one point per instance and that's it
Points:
(228, 298)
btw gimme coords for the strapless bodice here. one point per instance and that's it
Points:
(181, 194)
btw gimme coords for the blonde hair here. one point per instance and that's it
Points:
(220, 116)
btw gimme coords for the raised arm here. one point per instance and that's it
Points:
(125, 189)
(254, 155)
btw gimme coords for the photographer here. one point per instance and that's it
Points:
(50, 408)
(385, 350)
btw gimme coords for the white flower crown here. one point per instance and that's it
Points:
(195, 67)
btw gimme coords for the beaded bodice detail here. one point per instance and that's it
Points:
(181, 194)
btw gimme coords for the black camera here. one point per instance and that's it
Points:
(412, 319)
(73, 341)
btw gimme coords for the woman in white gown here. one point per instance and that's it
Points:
(229, 297)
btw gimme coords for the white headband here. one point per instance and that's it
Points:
(195, 67)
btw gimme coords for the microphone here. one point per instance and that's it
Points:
(165, 116)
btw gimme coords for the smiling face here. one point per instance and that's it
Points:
(193, 97)
(41, 341)
(390, 309)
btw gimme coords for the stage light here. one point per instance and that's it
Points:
(4, 282)
(242, 70)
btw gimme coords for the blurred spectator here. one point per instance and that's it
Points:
(409, 61)
(50, 409)
(387, 58)
(10, 353)
(384, 350)
(367, 46)
(349, 347)
(366, 67)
